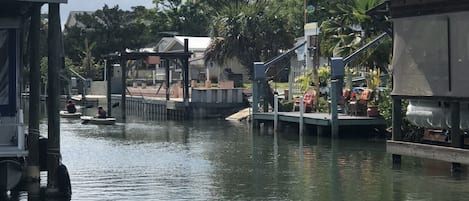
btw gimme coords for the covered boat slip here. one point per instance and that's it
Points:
(11, 116)
(430, 59)
(20, 27)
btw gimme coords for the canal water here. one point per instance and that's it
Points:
(220, 160)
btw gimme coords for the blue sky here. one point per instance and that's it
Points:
(93, 5)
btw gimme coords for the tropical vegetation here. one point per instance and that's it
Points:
(244, 29)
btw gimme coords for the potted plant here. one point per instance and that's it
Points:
(373, 82)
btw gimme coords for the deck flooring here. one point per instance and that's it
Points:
(320, 119)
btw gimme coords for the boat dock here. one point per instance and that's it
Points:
(321, 121)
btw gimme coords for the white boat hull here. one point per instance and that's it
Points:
(65, 114)
(98, 121)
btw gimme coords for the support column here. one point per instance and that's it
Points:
(34, 99)
(334, 113)
(457, 139)
(55, 64)
(259, 74)
(123, 63)
(301, 120)
(396, 126)
(186, 75)
(108, 79)
(275, 113)
(168, 79)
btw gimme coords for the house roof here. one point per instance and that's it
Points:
(195, 43)
(72, 18)
(43, 1)
(168, 44)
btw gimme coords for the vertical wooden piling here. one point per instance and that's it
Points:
(108, 91)
(123, 63)
(396, 125)
(275, 113)
(55, 61)
(168, 79)
(457, 139)
(186, 76)
(334, 113)
(34, 99)
(301, 120)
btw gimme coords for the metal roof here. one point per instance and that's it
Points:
(409, 8)
(39, 1)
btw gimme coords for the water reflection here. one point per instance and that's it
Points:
(219, 160)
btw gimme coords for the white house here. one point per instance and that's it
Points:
(198, 69)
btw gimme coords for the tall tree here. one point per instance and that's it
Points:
(111, 29)
(249, 31)
(349, 28)
(181, 17)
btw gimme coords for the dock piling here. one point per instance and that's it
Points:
(301, 120)
(275, 113)
(334, 113)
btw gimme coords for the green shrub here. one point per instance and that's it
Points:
(286, 106)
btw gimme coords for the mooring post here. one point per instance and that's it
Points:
(301, 120)
(107, 74)
(457, 140)
(186, 76)
(396, 126)
(337, 75)
(123, 62)
(301, 128)
(54, 66)
(334, 113)
(275, 113)
(259, 75)
(168, 79)
(33, 170)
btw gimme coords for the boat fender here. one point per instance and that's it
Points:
(63, 181)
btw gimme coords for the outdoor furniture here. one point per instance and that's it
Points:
(362, 102)
(308, 99)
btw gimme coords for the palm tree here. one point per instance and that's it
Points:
(350, 28)
(249, 32)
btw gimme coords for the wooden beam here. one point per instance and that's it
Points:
(457, 139)
(448, 154)
(409, 8)
(54, 65)
(123, 63)
(34, 99)
(168, 79)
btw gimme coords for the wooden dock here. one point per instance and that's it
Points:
(318, 119)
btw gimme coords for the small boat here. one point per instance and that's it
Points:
(98, 121)
(66, 114)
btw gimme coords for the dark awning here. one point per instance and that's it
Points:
(409, 8)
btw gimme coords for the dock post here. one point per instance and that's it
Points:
(107, 73)
(457, 140)
(275, 113)
(396, 126)
(301, 120)
(334, 115)
(33, 169)
(168, 79)
(55, 62)
(123, 63)
(259, 74)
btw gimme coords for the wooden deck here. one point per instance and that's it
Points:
(320, 119)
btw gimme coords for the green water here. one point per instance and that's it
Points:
(220, 160)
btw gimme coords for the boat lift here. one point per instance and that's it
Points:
(20, 150)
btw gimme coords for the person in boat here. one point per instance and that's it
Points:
(101, 113)
(71, 107)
